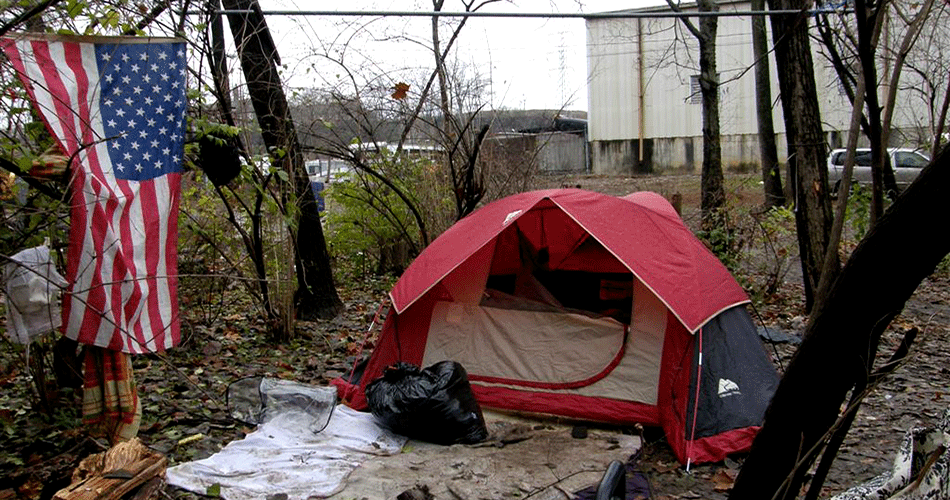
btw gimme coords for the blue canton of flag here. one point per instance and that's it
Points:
(143, 108)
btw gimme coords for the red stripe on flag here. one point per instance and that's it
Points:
(153, 256)
(170, 256)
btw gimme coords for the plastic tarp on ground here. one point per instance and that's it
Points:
(301, 449)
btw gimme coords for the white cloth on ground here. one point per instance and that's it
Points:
(285, 455)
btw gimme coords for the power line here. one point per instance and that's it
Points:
(525, 15)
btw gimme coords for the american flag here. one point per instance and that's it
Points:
(116, 105)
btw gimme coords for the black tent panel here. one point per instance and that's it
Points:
(736, 377)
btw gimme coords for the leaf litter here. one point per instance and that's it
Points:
(186, 417)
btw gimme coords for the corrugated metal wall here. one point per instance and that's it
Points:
(660, 56)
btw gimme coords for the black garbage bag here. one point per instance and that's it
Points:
(435, 404)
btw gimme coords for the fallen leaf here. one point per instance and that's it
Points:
(723, 479)
(190, 439)
(400, 91)
(214, 490)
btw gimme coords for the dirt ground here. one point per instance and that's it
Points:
(186, 414)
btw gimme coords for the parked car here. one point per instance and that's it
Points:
(906, 163)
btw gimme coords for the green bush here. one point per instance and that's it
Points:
(370, 228)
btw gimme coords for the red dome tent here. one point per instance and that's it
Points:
(574, 303)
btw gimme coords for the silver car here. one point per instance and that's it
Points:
(906, 163)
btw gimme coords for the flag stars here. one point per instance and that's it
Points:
(106, 56)
(152, 81)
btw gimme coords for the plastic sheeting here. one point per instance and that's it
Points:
(292, 453)
(32, 289)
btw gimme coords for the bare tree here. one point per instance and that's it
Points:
(842, 337)
(713, 191)
(768, 152)
(805, 138)
(316, 295)
(856, 50)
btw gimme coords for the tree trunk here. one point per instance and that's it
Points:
(768, 152)
(871, 290)
(866, 24)
(713, 195)
(316, 295)
(806, 144)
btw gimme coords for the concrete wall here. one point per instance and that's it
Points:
(549, 151)
(560, 152)
(740, 153)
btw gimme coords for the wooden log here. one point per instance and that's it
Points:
(114, 473)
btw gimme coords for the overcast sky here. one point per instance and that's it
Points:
(532, 63)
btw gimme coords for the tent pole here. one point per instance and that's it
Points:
(699, 374)
(369, 332)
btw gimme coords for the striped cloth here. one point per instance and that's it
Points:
(110, 406)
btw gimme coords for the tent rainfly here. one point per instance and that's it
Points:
(588, 306)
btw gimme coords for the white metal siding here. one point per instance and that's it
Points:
(670, 58)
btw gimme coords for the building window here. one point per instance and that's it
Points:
(695, 91)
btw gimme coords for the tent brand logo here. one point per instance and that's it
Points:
(728, 388)
(510, 216)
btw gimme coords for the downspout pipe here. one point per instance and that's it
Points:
(640, 91)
